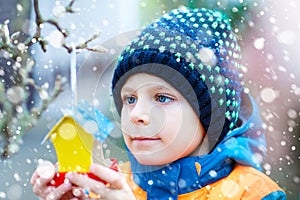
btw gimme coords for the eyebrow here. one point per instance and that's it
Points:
(160, 87)
(127, 89)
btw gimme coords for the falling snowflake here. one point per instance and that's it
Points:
(55, 39)
(259, 43)
(2, 195)
(207, 56)
(59, 11)
(15, 94)
(268, 95)
(45, 169)
(91, 127)
(230, 188)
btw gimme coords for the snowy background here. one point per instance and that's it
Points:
(270, 52)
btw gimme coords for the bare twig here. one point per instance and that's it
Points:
(17, 116)
(56, 25)
(69, 8)
(83, 45)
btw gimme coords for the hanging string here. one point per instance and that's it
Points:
(73, 77)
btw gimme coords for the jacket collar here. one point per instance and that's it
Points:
(180, 177)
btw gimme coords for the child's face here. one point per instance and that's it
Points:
(159, 126)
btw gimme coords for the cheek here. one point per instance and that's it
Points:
(172, 124)
(192, 126)
(183, 125)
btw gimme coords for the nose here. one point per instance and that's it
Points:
(140, 114)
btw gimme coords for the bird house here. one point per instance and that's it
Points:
(73, 145)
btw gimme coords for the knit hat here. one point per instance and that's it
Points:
(197, 53)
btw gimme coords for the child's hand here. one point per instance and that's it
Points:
(40, 179)
(115, 188)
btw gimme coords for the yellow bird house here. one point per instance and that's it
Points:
(75, 150)
(73, 145)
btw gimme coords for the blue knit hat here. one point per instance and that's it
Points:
(198, 54)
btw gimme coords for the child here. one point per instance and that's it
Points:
(191, 130)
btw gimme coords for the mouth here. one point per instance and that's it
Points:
(144, 139)
(144, 144)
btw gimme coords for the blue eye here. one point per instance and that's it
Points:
(163, 98)
(130, 100)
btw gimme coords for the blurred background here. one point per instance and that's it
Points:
(269, 36)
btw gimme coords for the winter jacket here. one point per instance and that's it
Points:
(243, 182)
